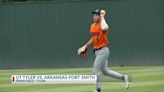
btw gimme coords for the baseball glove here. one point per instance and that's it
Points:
(82, 52)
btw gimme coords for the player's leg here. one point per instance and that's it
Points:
(106, 71)
(97, 66)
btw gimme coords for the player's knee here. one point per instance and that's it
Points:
(104, 72)
(95, 73)
(96, 70)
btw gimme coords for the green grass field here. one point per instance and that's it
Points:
(145, 79)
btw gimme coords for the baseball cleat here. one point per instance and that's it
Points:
(97, 90)
(126, 80)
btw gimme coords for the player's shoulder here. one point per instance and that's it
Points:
(92, 24)
(91, 27)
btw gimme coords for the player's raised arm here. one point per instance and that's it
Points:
(104, 24)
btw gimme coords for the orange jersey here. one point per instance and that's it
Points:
(99, 36)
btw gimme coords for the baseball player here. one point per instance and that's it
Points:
(99, 31)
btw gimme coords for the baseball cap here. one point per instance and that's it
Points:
(97, 11)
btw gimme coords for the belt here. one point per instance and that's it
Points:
(99, 48)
